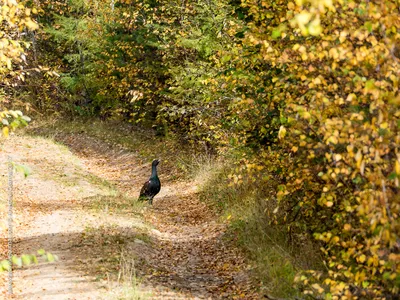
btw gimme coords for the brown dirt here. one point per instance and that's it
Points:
(178, 246)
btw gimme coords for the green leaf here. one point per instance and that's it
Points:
(41, 252)
(328, 296)
(5, 265)
(17, 261)
(26, 259)
(368, 25)
(370, 84)
(50, 257)
(276, 33)
(34, 259)
(15, 124)
(225, 58)
(5, 131)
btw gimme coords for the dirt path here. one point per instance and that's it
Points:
(67, 206)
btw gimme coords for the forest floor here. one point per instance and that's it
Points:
(79, 203)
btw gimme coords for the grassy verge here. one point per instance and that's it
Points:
(275, 257)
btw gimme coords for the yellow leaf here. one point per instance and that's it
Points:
(338, 157)
(335, 239)
(362, 258)
(332, 139)
(306, 115)
(362, 167)
(282, 132)
(384, 125)
(350, 148)
(295, 47)
(317, 287)
(317, 81)
(329, 203)
(31, 25)
(397, 167)
(358, 158)
(315, 27)
(342, 36)
(303, 18)
(351, 97)
(5, 131)
(302, 49)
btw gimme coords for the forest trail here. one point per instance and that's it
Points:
(77, 204)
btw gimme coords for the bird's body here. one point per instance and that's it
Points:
(152, 186)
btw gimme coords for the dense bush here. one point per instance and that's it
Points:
(338, 156)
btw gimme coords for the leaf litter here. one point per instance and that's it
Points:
(80, 204)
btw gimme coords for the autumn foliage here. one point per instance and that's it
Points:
(339, 81)
(307, 91)
(14, 18)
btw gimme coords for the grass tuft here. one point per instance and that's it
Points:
(127, 285)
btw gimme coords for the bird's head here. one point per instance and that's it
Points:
(155, 162)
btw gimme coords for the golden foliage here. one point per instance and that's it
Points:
(14, 17)
(339, 97)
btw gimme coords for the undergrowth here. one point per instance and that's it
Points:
(275, 255)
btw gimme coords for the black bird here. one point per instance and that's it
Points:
(152, 186)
